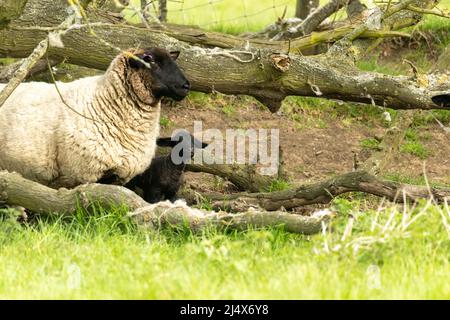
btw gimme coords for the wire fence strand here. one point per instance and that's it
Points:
(247, 14)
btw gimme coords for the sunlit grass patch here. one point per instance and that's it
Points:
(370, 143)
(358, 256)
(413, 145)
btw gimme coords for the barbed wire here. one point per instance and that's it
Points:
(185, 12)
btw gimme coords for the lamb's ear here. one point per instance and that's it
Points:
(166, 142)
(198, 144)
(174, 54)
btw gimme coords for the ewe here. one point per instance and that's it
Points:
(163, 179)
(101, 129)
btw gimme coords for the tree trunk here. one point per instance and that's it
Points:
(162, 5)
(244, 177)
(303, 7)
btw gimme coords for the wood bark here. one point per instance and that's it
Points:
(15, 190)
(162, 5)
(318, 16)
(303, 7)
(269, 76)
(325, 191)
(10, 10)
(7, 73)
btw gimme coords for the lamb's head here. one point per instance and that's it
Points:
(183, 146)
(158, 77)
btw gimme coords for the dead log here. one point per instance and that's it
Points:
(265, 74)
(16, 190)
(325, 191)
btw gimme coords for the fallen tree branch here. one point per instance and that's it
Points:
(390, 144)
(244, 176)
(260, 77)
(317, 17)
(7, 72)
(324, 192)
(18, 191)
(23, 70)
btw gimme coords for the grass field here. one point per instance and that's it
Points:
(393, 252)
(390, 254)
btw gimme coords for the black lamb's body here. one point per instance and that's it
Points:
(163, 178)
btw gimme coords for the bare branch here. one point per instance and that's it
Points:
(23, 70)
(324, 192)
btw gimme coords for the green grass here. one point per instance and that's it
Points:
(278, 185)
(228, 110)
(105, 256)
(413, 146)
(370, 143)
(417, 180)
(165, 122)
(371, 64)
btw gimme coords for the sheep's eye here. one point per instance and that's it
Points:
(148, 58)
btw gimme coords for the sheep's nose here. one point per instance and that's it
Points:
(187, 85)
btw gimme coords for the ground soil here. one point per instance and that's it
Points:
(312, 153)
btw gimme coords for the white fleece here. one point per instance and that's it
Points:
(44, 140)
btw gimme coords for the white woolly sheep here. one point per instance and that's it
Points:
(101, 129)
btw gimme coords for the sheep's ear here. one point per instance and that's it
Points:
(174, 54)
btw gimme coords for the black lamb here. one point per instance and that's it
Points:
(163, 178)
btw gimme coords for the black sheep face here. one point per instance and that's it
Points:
(183, 146)
(164, 78)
